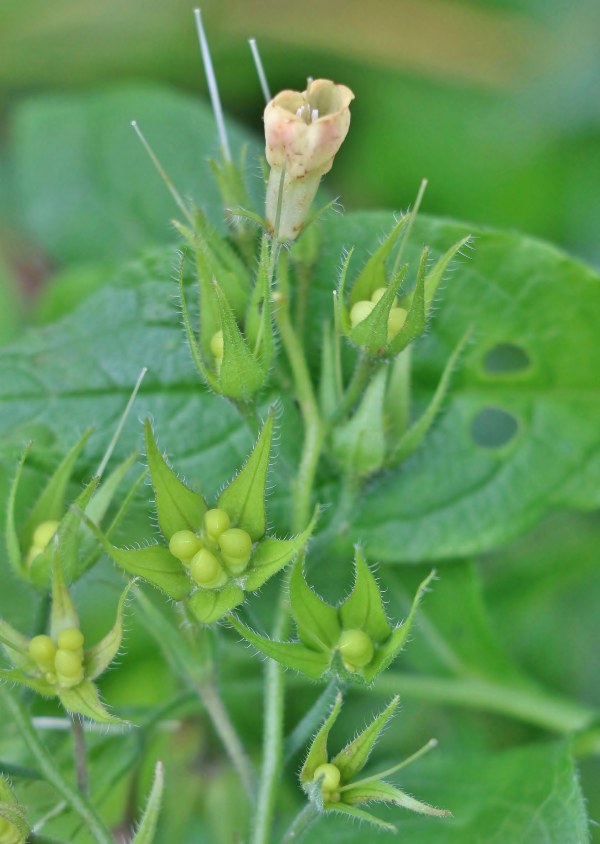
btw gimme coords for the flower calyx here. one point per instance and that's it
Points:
(212, 556)
(14, 828)
(303, 132)
(331, 782)
(354, 640)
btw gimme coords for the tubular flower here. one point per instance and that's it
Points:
(303, 132)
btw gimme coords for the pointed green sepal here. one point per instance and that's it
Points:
(373, 275)
(15, 829)
(360, 814)
(317, 755)
(83, 700)
(363, 609)
(390, 649)
(206, 374)
(317, 622)
(371, 333)
(330, 391)
(15, 675)
(100, 656)
(360, 443)
(15, 644)
(414, 436)
(63, 613)
(103, 496)
(146, 831)
(436, 273)
(209, 605)
(272, 555)
(352, 759)
(416, 321)
(16, 556)
(343, 312)
(383, 792)
(240, 374)
(291, 654)
(259, 323)
(177, 506)
(244, 498)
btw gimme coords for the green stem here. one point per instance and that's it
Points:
(80, 804)
(80, 754)
(360, 378)
(305, 818)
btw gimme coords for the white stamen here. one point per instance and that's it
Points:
(211, 81)
(121, 424)
(262, 76)
(162, 173)
(314, 115)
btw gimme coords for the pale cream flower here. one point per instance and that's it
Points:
(303, 132)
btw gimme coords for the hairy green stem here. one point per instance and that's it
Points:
(305, 818)
(80, 754)
(80, 804)
(360, 378)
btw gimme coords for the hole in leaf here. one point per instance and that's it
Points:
(506, 359)
(493, 427)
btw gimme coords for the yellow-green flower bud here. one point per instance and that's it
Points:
(396, 320)
(69, 668)
(44, 533)
(42, 650)
(206, 570)
(236, 549)
(9, 834)
(184, 545)
(360, 310)
(70, 639)
(330, 774)
(377, 294)
(356, 649)
(217, 346)
(216, 522)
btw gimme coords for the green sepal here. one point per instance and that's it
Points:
(291, 654)
(50, 506)
(330, 392)
(414, 436)
(16, 557)
(147, 828)
(383, 792)
(177, 506)
(388, 651)
(398, 396)
(259, 325)
(12, 812)
(415, 322)
(100, 656)
(154, 563)
(15, 644)
(343, 311)
(355, 812)
(436, 273)
(363, 609)
(63, 613)
(240, 375)
(272, 555)
(244, 498)
(16, 675)
(317, 755)
(103, 496)
(210, 605)
(83, 700)
(207, 374)
(353, 758)
(215, 258)
(317, 622)
(371, 333)
(360, 443)
(373, 275)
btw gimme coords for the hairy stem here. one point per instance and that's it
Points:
(80, 754)
(360, 378)
(80, 804)
(305, 818)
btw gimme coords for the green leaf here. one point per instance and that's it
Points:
(244, 498)
(146, 831)
(353, 758)
(383, 792)
(100, 656)
(83, 700)
(15, 675)
(177, 506)
(291, 654)
(390, 649)
(363, 609)
(317, 622)
(318, 754)
(272, 555)
(209, 606)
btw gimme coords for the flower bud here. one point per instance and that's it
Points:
(184, 544)
(330, 774)
(303, 132)
(216, 521)
(356, 649)
(236, 549)
(217, 345)
(396, 320)
(70, 639)
(42, 650)
(44, 533)
(69, 668)
(360, 310)
(206, 570)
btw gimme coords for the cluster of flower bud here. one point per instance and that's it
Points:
(363, 308)
(214, 554)
(61, 662)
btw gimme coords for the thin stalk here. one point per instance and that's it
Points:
(121, 424)
(260, 70)
(80, 804)
(213, 703)
(395, 768)
(305, 818)
(211, 81)
(80, 754)
(360, 378)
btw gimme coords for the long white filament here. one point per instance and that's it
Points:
(211, 81)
